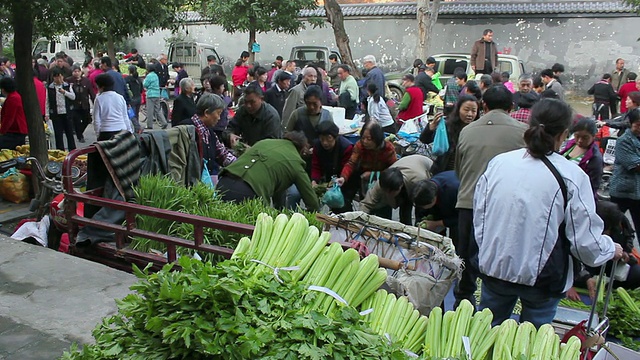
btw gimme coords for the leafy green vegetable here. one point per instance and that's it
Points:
(624, 321)
(162, 192)
(225, 312)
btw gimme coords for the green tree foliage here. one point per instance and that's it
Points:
(114, 21)
(259, 16)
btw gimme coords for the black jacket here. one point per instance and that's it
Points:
(276, 98)
(603, 93)
(423, 81)
(163, 74)
(183, 108)
(265, 124)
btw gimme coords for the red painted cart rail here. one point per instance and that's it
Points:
(117, 254)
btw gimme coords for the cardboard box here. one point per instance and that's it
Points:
(621, 352)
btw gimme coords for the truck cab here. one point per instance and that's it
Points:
(193, 55)
(317, 55)
(49, 48)
(446, 65)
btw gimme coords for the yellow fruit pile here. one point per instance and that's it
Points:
(24, 150)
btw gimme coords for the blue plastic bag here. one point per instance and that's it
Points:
(131, 113)
(333, 197)
(205, 177)
(441, 140)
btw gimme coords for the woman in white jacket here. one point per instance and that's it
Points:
(534, 215)
(379, 111)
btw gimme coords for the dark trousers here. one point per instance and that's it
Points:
(97, 172)
(600, 110)
(11, 140)
(634, 209)
(81, 118)
(62, 126)
(467, 250)
(232, 188)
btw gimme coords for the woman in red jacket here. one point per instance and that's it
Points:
(239, 77)
(13, 128)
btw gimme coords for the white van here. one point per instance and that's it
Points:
(67, 44)
(193, 55)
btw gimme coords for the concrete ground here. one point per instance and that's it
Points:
(49, 300)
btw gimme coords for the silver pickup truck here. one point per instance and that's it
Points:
(447, 63)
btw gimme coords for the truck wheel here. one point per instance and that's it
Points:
(396, 93)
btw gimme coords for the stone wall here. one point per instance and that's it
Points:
(587, 46)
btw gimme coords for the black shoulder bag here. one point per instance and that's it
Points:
(558, 256)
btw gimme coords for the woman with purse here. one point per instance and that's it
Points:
(534, 211)
(463, 114)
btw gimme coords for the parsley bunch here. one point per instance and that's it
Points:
(228, 312)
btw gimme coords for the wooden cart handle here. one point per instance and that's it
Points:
(389, 264)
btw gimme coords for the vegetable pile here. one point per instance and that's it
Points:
(624, 317)
(285, 294)
(162, 192)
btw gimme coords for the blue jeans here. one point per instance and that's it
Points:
(537, 307)
(293, 198)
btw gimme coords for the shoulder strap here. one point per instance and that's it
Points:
(556, 174)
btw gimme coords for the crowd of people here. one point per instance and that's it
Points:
(516, 189)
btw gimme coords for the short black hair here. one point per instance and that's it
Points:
(549, 94)
(460, 75)
(106, 60)
(217, 81)
(8, 84)
(474, 89)
(56, 72)
(417, 63)
(409, 77)
(498, 97)
(105, 81)
(537, 82)
(585, 124)
(211, 58)
(134, 51)
(245, 54)
(176, 65)
(375, 131)
(557, 67)
(279, 58)
(633, 116)
(391, 179)
(632, 76)
(345, 67)
(333, 57)
(487, 31)
(313, 91)
(430, 60)
(282, 76)
(424, 193)
(260, 71)
(253, 89)
(606, 76)
(328, 128)
(546, 73)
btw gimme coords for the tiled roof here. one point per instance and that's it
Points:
(470, 8)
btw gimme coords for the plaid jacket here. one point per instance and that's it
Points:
(363, 160)
(522, 115)
(452, 93)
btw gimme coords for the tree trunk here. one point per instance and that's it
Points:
(427, 17)
(336, 18)
(111, 49)
(23, 27)
(1, 44)
(252, 39)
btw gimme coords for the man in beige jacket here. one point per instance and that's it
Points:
(395, 186)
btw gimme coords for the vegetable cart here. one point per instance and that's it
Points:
(422, 264)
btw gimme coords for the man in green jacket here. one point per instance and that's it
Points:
(432, 70)
(267, 170)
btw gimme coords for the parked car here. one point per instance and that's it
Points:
(318, 55)
(193, 55)
(447, 63)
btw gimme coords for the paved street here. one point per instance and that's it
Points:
(49, 300)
